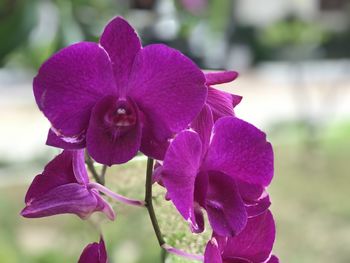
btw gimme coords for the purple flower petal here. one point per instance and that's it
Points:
(94, 253)
(179, 172)
(154, 142)
(214, 78)
(121, 42)
(224, 205)
(255, 242)
(273, 259)
(258, 207)
(114, 133)
(250, 192)
(212, 253)
(203, 125)
(240, 150)
(70, 83)
(168, 88)
(103, 206)
(57, 172)
(69, 198)
(79, 168)
(62, 142)
(222, 103)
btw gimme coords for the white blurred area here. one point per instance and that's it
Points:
(272, 92)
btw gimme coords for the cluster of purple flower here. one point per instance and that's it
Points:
(116, 98)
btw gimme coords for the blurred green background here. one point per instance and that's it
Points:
(294, 62)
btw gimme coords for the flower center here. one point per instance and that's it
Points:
(123, 115)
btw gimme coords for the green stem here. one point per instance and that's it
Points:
(149, 203)
(90, 164)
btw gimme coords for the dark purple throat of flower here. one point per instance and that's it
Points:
(123, 115)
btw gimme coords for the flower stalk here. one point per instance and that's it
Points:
(90, 164)
(149, 205)
(149, 202)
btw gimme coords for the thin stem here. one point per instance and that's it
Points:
(149, 203)
(90, 164)
(116, 196)
(103, 173)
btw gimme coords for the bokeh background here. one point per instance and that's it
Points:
(294, 62)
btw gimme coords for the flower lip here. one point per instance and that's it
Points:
(121, 114)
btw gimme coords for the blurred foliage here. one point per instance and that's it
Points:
(33, 30)
(17, 19)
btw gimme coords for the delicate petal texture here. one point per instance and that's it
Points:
(63, 188)
(212, 253)
(203, 125)
(79, 168)
(250, 192)
(154, 142)
(103, 206)
(70, 83)
(258, 207)
(179, 172)
(220, 77)
(167, 87)
(198, 226)
(255, 242)
(64, 142)
(69, 198)
(222, 103)
(109, 140)
(240, 150)
(225, 208)
(121, 42)
(94, 253)
(201, 188)
(57, 172)
(273, 259)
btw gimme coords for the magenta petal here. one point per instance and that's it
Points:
(222, 103)
(79, 168)
(103, 206)
(258, 207)
(250, 192)
(199, 225)
(57, 172)
(240, 150)
(70, 83)
(62, 142)
(167, 87)
(273, 259)
(94, 253)
(255, 242)
(121, 42)
(69, 198)
(113, 137)
(154, 142)
(212, 253)
(203, 125)
(179, 172)
(214, 78)
(224, 205)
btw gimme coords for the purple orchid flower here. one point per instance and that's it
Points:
(94, 253)
(220, 102)
(116, 97)
(224, 170)
(64, 187)
(253, 245)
